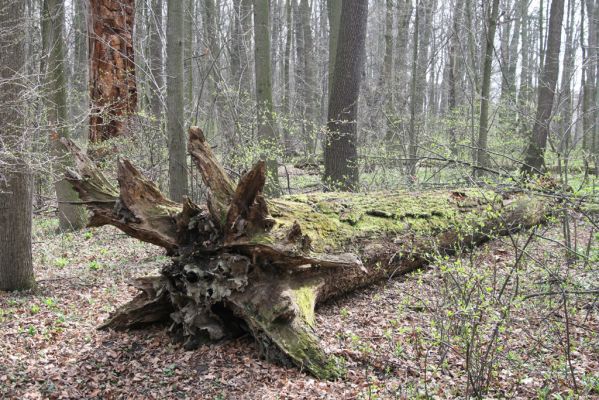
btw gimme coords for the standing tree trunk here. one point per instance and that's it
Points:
(535, 154)
(340, 148)
(482, 157)
(70, 216)
(113, 93)
(177, 170)
(524, 89)
(334, 14)
(79, 96)
(266, 123)
(156, 62)
(453, 75)
(16, 267)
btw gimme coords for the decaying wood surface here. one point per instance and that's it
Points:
(244, 263)
(113, 92)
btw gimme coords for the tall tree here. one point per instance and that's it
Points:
(70, 215)
(453, 73)
(535, 153)
(177, 170)
(266, 124)
(16, 267)
(113, 93)
(482, 156)
(156, 62)
(334, 15)
(340, 147)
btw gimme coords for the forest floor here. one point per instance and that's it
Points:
(451, 329)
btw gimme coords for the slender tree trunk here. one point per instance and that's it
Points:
(412, 133)
(524, 90)
(79, 98)
(16, 268)
(482, 157)
(387, 75)
(334, 14)
(535, 154)
(402, 63)
(71, 216)
(266, 123)
(340, 152)
(288, 141)
(308, 80)
(156, 62)
(565, 98)
(513, 50)
(113, 93)
(453, 75)
(174, 101)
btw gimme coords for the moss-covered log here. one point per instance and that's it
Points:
(246, 263)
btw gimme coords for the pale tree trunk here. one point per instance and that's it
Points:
(16, 267)
(308, 80)
(156, 46)
(188, 53)
(420, 61)
(70, 216)
(113, 92)
(266, 124)
(79, 98)
(453, 75)
(334, 16)
(237, 46)
(175, 94)
(513, 50)
(340, 150)
(288, 141)
(524, 89)
(482, 156)
(387, 75)
(535, 154)
(402, 63)
(506, 28)
(565, 97)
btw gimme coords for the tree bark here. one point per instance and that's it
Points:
(70, 215)
(266, 123)
(248, 263)
(156, 59)
(16, 268)
(340, 147)
(482, 157)
(113, 92)
(535, 154)
(177, 160)
(453, 75)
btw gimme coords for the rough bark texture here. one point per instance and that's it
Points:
(16, 268)
(535, 154)
(249, 264)
(340, 147)
(113, 93)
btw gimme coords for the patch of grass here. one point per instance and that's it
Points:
(94, 265)
(61, 262)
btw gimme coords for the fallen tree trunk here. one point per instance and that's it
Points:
(246, 263)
